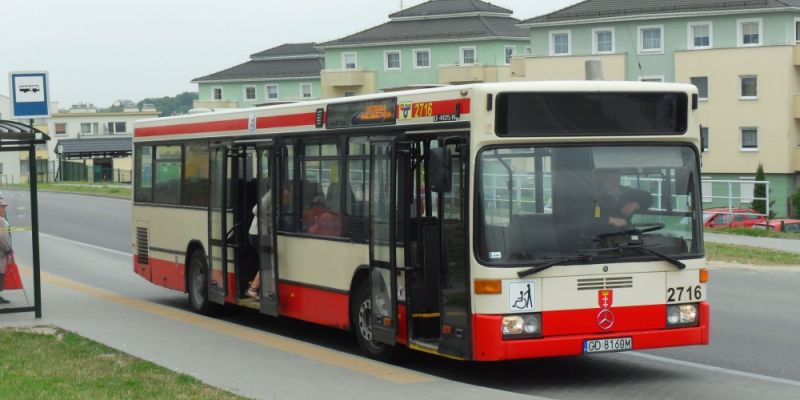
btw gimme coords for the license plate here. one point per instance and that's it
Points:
(608, 345)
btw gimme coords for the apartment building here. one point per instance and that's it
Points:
(742, 55)
(438, 42)
(89, 145)
(286, 73)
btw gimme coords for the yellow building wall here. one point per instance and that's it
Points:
(725, 113)
(566, 68)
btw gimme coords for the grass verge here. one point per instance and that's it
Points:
(78, 187)
(754, 232)
(749, 255)
(48, 363)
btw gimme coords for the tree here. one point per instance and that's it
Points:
(180, 104)
(796, 203)
(760, 192)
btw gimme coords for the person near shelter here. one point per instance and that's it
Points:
(616, 204)
(5, 245)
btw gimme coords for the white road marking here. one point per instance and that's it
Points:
(122, 253)
(766, 378)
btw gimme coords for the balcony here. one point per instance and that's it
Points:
(797, 159)
(214, 104)
(797, 106)
(797, 55)
(453, 74)
(347, 78)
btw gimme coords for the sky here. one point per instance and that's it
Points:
(100, 51)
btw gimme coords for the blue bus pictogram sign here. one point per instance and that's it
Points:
(30, 95)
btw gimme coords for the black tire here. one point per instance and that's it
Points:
(361, 319)
(197, 285)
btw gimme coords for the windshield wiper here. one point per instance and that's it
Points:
(641, 248)
(553, 263)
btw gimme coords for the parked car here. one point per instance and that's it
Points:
(724, 217)
(780, 225)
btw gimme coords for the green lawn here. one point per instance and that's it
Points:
(48, 363)
(115, 190)
(754, 232)
(749, 255)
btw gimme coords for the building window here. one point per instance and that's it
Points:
(559, 43)
(748, 85)
(305, 90)
(528, 50)
(651, 39)
(706, 189)
(651, 78)
(61, 129)
(272, 92)
(216, 93)
(701, 82)
(749, 138)
(746, 189)
(704, 138)
(90, 128)
(603, 40)
(349, 61)
(749, 32)
(797, 30)
(391, 60)
(114, 127)
(468, 55)
(250, 93)
(510, 52)
(349, 93)
(422, 58)
(700, 35)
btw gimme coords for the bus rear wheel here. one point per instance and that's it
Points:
(361, 317)
(198, 285)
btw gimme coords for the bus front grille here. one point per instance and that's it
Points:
(142, 246)
(605, 283)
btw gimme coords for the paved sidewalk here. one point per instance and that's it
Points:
(790, 245)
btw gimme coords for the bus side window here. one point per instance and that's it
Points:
(321, 189)
(288, 192)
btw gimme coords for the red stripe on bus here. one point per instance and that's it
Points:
(281, 121)
(195, 127)
(315, 305)
(488, 343)
(569, 322)
(446, 107)
(163, 273)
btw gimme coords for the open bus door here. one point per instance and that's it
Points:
(268, 242)
(220, 220)
(382, 240)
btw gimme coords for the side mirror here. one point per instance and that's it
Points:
(440, 171)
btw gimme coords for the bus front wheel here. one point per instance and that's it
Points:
(198, 284)
(361, 315)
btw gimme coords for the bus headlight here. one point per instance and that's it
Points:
(682, 315)
(521, 326)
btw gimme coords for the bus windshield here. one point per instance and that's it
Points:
(611, 203)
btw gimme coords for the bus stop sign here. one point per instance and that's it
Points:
(29, 94)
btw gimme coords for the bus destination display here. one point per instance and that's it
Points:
(362, 113)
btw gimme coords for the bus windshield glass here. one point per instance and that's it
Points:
(611, 203)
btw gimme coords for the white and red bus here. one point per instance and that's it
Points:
(479, 222)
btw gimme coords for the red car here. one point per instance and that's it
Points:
(780, 225)
(731, 217)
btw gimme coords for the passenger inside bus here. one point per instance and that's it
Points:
(320, 219)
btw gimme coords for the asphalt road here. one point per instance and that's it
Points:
(752, 353)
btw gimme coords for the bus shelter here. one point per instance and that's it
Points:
(18, 137)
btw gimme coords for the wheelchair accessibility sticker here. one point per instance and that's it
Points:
(521, 295)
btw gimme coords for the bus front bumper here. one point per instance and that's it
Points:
(489, 345)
